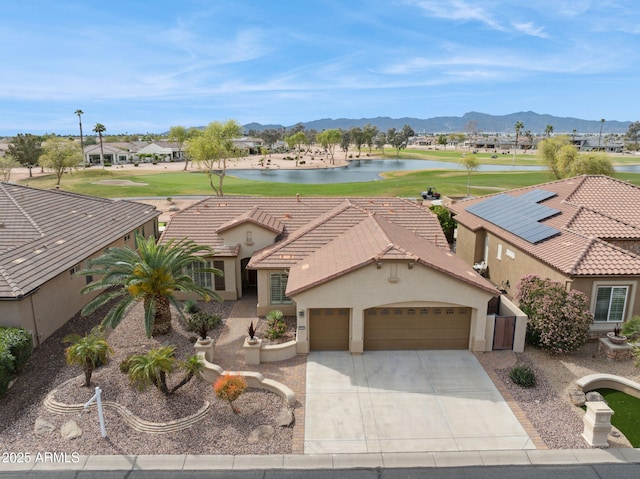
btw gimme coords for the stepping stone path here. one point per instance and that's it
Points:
(262, 433)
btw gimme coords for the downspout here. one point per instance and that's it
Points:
(35, 323)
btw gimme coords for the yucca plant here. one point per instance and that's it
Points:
(88, 352)
(523, 376)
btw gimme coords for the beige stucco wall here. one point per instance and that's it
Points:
(260, 237)
(370, 287)
(55, 302)
(264, 295)
(469, 244)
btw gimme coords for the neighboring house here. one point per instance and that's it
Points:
(161, 151)
(358, 273)
(251, 144)
(583, 232)
(115, 154)
(48, 235)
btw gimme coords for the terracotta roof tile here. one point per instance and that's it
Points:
(256, 216)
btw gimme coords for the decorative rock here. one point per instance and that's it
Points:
(43, 427)
(261, 433)
(70, 430)
(578, 398)
(285, 417)
(594, 396)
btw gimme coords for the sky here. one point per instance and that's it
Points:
(139, 66)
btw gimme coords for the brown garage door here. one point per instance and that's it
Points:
(417, 328)
(329, 329)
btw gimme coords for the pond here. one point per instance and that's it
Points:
(360, 170)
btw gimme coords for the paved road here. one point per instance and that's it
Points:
(583, 471)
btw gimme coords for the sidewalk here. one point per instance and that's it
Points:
(337, 461)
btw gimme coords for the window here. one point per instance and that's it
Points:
(499, 253)
(74, 270)
(218, 281)
(201, 278)
(610, 303)
(278, 283)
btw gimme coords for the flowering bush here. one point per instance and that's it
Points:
(558, 320)
(230, 387)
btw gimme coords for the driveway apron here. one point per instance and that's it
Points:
(401, 401)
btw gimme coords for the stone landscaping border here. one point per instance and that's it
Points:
(139, 424)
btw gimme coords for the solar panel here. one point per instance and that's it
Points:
(518, 215)
(537, 195)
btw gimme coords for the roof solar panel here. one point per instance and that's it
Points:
(537, 195)
(518, 215)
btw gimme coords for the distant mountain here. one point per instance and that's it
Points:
(484, 123)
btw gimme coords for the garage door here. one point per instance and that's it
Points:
(329, 329)
(416, 328)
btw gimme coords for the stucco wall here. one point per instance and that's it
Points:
(264, 295)
(370, 287)
(238, 235)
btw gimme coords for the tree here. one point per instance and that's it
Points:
(456, 138)
(295, 141)
(518, 126)
(59, 155)
(602, 120)
(633, 133)
(369, 132)
(230, 387)
(88, 352)
(180, 135)
(559, 320)
(7, 163)
(447, 223)
(357, 138)
(345, 141)
(153, 367)
(442, 140)
(99, 128)
(399, 139)
(591, 164)
(557, 153)
(150, 274)
(548, 130)
(329, 139)
(213, 148)
(471, 163)
(380, 140)
(80, 113)
(26, 149)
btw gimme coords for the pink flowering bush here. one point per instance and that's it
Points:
(558, 320)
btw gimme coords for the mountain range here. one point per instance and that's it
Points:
(484, 123)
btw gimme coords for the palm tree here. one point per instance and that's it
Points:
(519, 126)
(153, 368)
(99, 128)
(602, 120)
(151, 273)
(548, 130)
(88, 352)
(80, 113)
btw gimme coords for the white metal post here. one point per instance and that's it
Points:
(96, 397)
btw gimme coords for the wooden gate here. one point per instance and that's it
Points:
(504, 331)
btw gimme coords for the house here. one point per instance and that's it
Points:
(111, 153)
(48, 235)
(357, 273)
(161, 151)
(583, 232)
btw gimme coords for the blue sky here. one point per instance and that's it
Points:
(140, 66)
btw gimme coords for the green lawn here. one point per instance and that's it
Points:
(627, 413)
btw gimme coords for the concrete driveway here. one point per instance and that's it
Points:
(400, 401)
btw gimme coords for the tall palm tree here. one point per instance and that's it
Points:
(548, 130)
(80, 113)
(150, 274)
(602, 120)
(88, 352)
(519, 126)
(99, 128)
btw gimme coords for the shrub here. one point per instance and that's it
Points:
(558, 320)
(230, 387)
(631, 328)
(190, 306)
(89, 352)
(276, 327)
(202, 322)
(523, 376)
(106, 164)
(16, 346)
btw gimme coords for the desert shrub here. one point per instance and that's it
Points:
(106, 164)
(523, 376)
(447, 223)
(276, 327)
(631, 328)
(16, 346)
(202, 322)
(230, 387)
(558, 320)
(190, 306)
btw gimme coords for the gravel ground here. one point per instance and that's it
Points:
(221, 432)
(547, 406)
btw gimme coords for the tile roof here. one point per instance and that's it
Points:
(256, 216)
(45, 232)
(375, 238)
(593, 209)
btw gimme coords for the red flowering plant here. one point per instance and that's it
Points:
(230, 387)
(559, 320)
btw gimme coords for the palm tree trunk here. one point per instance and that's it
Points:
(162, 320)
(88, 370)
